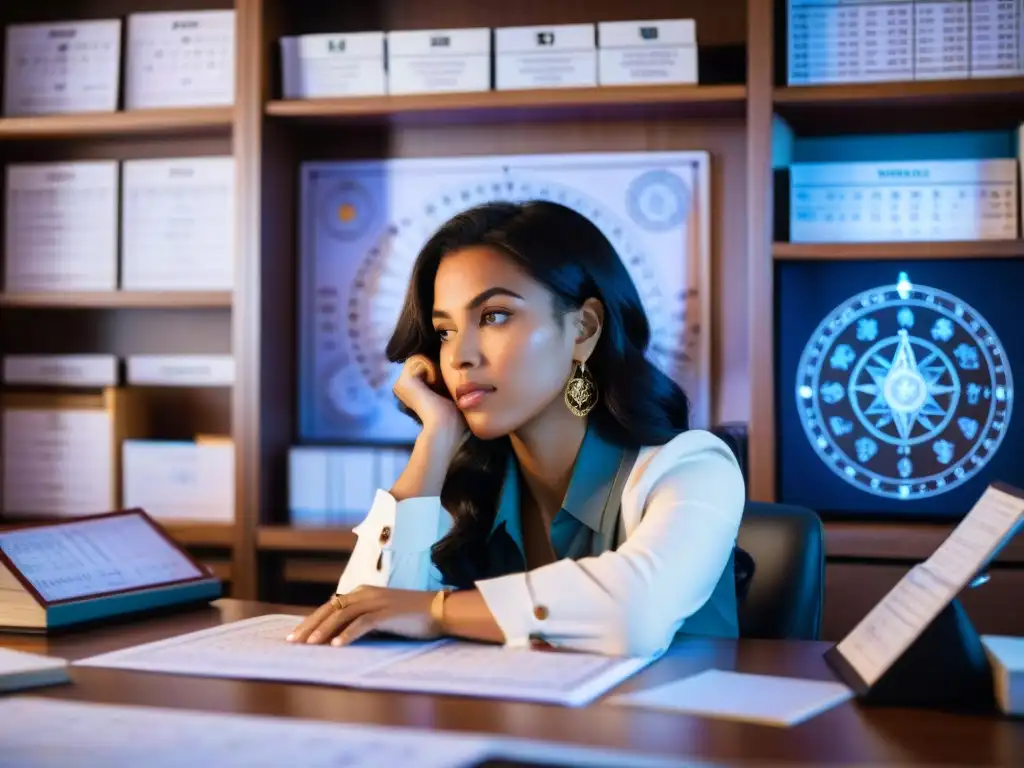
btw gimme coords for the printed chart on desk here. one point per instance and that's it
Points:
(364, 223)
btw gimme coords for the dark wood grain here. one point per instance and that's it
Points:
(118, 300)
(846, 735)
(637, 102)
(903, 107)
(761, 276)
(898, 541)
(211, 535)
(154, 122)
(853, 588)
(980, 249)
(290, 539)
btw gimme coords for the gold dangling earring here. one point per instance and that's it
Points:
(581, 391)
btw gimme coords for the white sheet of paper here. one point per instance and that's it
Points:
(256, 649)
(102, 735)
(20, 662)
(765, 699)
(571, 679)
(90, 557)
(38, 733)
(993, 520)
(893, 624)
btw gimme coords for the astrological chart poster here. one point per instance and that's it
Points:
(896, 384)
(363, 224)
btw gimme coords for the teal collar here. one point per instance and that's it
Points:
(592, 477)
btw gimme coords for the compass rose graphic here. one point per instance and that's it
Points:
(904, 391)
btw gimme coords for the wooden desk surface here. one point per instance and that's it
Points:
(846, 735)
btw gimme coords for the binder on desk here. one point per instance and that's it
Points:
(65, 574)
(917, 646)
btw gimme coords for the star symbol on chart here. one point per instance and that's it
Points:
(904, 389)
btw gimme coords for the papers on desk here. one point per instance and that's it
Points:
(764, 699)
(37, 733)
(19, 670)
(45, 733)
(256, 649)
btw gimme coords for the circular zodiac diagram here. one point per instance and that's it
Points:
(904, 391)
(381, 280)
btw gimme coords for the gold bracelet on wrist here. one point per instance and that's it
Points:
(437, 608)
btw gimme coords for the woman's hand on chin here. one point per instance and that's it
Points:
(420, 389)
(346, 618)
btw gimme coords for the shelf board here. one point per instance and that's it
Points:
(525, 105)
(118, 300)
(308, 571)
(220, 535)
(214, 535)
(897, 541)
(113, 124)
(286, 538)
(920, 105)
(980, 249)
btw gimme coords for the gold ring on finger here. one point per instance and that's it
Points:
(338, 601)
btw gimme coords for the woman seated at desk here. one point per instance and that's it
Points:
(555, 493)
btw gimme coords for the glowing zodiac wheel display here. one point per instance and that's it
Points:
(904, 391)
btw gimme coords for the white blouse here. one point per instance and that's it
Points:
(681, 510)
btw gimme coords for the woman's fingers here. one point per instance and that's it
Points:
(310, 623)
(338, 620)
(359, 627)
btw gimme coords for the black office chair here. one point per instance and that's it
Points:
(783, 597)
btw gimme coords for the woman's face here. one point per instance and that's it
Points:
(505, 357)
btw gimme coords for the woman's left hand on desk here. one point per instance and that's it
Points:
(397, 611)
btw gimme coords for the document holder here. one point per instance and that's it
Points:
(945, 668)
(917, 646)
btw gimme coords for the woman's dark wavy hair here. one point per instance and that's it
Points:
(564, 251)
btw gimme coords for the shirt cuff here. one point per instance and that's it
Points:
(394, 543)
(407, 526)
(536, 606)
(508, 599)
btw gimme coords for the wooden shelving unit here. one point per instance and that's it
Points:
(873, 541)
(220, 535)
(147, 122)
(921, 105)
(285, 538)
(527, 105)
(211, 535)
(119, 300)
(134, 322)
(865, 558)
(730, 116)
(983, 249)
